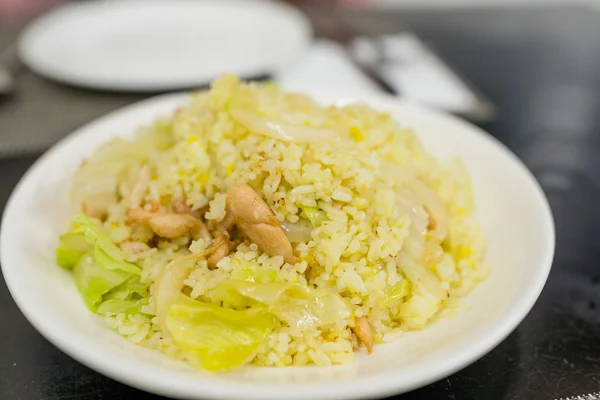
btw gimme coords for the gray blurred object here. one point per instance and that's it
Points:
(414, 71)
(9, 67)
(39, 112)
(397, 59)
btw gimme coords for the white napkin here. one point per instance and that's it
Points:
(417, 73)
(414, 71)
(326, 66)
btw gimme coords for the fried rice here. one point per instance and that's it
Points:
(174, 251)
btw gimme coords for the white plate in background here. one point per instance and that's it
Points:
(511, 207)
(153, 45)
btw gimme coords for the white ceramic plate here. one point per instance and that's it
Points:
(151, 45)
(512, 209)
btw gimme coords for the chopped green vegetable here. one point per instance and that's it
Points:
(169, 282)
(102, 258)
(114, 306)
(128, 298)
(252, 273)
(396, 293)
(314, 215)
(98, 266)
(130, 289)
(93, 280)
(94, 235)
(297, 305)
(218, 338)
(71, 247)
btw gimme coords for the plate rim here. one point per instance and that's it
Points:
(378, 385)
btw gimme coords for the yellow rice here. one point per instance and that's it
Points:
(354, 254)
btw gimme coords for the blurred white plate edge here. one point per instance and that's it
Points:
(155, 45)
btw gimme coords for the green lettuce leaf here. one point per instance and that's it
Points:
(93, 280)
(110, 255)
(71, 247)
(297, 305)
(114, 306)
(128, 290)
(98, 266)
(108, 262)
(218, 338)
(128, 298)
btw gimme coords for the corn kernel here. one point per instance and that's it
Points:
(202, 178)
(356, 134)
(464, 252)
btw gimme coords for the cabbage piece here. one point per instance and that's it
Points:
(98, 264)
(298, 305)
(169, 282)
(428, 198)
(71, 247)
(282, 130)
(130, 289)
(95, 236)
(396, 293)
(93, 280)
(103, 259)
(147, 141)
(411, 258)
(106, 253)
(252, 273)
(217, 338)
(297, 232)
(314, 215)
(114, 306)
(168, 285)
(95, 184)
(128, 298)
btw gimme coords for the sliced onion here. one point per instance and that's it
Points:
(412, 255)
(434, 206)
(168, 286)
(169, 282)
(95, 185)
(417, 274)
(297, 232)
(428, 197)
(282, 130)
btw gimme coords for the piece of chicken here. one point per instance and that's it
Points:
(363, 332)
(221, 249)
(228, 221)
(257, 222)
(171, 226)
(180, 206)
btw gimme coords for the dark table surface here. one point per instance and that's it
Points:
(541, 68)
